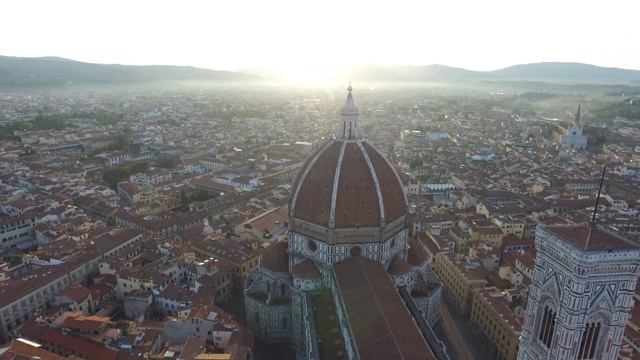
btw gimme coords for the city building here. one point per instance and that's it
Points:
(344, 273)
(460, 275)
(581, 295)
(493, 319)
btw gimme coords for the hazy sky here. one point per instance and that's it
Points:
(307, 36)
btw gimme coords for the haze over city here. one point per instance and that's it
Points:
(311, 39)
(444, 180)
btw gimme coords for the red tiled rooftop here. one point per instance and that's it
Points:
(513, 240)
(24, 349)
(416, 254)
(276, 257)
(13, 289)
(398, 267)
(306, 270)
(379, 321)
(590, 237)
(86, 348)
(77, 293)
(501, 307)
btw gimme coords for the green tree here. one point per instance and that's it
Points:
(12, 260)
(166, 161)
(137, 167)
(113, 176)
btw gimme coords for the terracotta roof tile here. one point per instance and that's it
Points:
(416, 255)
(398, 267)
(357, 198)
(392, 191)
(276, 258)
(599, 239)
(307, 270)
(77, 293)
(380, 323)
(85, 347)
(24, 349)
(313, 202)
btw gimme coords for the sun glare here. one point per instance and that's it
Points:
(311, 74)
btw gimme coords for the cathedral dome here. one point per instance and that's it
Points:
(276, 258)
(347, 183)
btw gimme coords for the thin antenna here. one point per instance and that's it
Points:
(595, 211)
(592, 225)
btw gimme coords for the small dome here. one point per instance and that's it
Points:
(416, 255)
(307, 270)
(276, 258)
(398, 267)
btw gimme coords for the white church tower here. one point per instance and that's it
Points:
(581, 295)
(573, 138)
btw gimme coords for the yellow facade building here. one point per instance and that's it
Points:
(493, 320)
(460, 275)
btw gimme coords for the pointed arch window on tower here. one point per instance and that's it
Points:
(547, 326)
(589, 341)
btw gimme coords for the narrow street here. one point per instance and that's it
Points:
(457, 346)
(456, 334)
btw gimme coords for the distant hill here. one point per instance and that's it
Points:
(437, 72)
(567, 72)
(15, 71)
(549, 72)
(53, 71)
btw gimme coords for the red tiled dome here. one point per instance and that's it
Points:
(347, 184)
(398, 267)
(276, 258)
(416, 255)
(307, 270)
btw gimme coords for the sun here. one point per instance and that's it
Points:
(311, 73)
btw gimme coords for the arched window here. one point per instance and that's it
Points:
(283, 289)
(312, 246)
(547, 326)
(589, 341)
(355, 251)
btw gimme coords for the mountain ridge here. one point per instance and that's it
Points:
(551, 72)
(56, 71)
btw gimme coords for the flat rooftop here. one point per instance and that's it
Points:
(590, 237)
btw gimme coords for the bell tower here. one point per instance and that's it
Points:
(581, 295)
